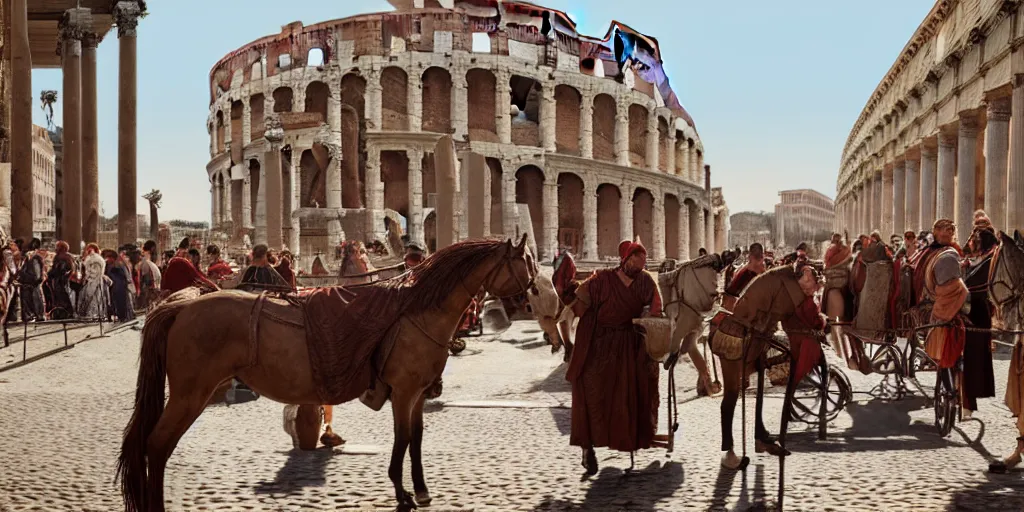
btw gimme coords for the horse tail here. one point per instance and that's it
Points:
(149, 405)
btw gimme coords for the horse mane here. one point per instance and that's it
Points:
(700, 262)
(430, 282)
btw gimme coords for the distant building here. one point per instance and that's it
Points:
(751, 227)
(57, 139)
(803, 215)
(44, 170)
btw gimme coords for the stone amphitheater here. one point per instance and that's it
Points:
(334, 126)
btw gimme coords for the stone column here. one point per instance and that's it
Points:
(460, 105)
(626, 212)
(968, 140)
(415, 222)
(22, 183)
(246, 199)
(509, 213)
(869, 199)
(549, 245)
(709, 230)
(670, 158)
(876, 202)
(945, 183)
(684, 159)
(1015, 178)
(90, 146)
(414, 100)
(698, 231)
(652, 141)
(548, 120)
(684, 231)
(374, 101)
(899, 198)
(622, 135)
(590, 220)
(502, 102)
(295, 189)
(587, 126)
(261, 205)
(374, 195)
(997, 142)
(912, 198)
(274, 186)
(929, 166)
(126, 15)
(71, 31)
(699, 173)
(247, 120)
(658, 244)
(218, 197)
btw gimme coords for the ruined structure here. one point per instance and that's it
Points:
(44, 177)
(585, 142)
(943, 133)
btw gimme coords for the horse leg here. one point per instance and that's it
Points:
(178, 416)
(787, 408)
(761, 434)
(330, 438)
(402, 404)
(419, 484)
(730, 373)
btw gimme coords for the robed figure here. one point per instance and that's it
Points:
(614, 381)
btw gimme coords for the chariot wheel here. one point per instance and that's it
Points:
(887, 361)
(920, 361)
(834, 392)
(946, 401)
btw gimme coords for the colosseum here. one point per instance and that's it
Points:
(585, 141)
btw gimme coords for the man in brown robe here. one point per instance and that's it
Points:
(614, 381)
(755, 266)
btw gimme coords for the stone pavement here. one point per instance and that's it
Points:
(61, 420)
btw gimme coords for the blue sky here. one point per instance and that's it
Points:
(774, 87)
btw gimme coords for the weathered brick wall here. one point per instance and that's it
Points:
(604, 128)
(664, 145)
(313, 181)
(395, 98)
(496, 204)
(525, 133)
(608, 232)
(394, 172)
(643, 215)
(638, 135)
(672, 248)
(317, 94)
(282, 100)
(529, 191)
(481, 85)
(256, 104)
(437, 100)
(567, 120)
(236, 131)
(570, 204)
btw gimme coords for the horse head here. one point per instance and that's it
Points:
(693, 286)
(1006, 280)
(516, 271)
(546, 305)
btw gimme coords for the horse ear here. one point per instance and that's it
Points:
(522, 242)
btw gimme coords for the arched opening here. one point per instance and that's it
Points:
(643, 216)
(254, 188)
(437, 100)
(395, 103)
(236, 131)
(526, 96)
(681, 156)
(481, 85)
(567, 120)
(672, 227)
(236, 203)
(695, 226)
(430, 231)
(315, 57)
(256, 71)
(608, 221)
(394, 172)
(664, 145)
(530, 191)
(353, 140)
(317, 94)
(313, 188)
(256, 126)
(497, 220)
(282, 100)
(604, 128)
(638, 136)
(218, 144)
(570, 213)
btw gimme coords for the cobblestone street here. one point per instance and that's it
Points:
(62, 418)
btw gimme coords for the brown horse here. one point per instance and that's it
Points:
(195, 345)
(1006, 289)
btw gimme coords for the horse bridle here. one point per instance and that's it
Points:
(676, 290)
(489, 279)
(1015, 293)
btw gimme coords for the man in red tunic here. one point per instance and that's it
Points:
(181, 273)
(614, 381)
(755, 266)
(218, 269)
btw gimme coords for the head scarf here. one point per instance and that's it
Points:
(627, 249)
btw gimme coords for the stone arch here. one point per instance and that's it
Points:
(256, 105)
(315, 57)
(236, 130)
(497, 218)
(218, 144)
(313, 189)
(254, 187)
(317, 95)
(394, 172)
(570, 212)
(282, 100)
(643, 216)
(395, 103)
(568, 103)
(526, 96)
(530, 191)
(608, 221)
(695, 226)
(672, 213)
(481, 86)
(638, 135)
(604, 128)
(430, 231)
(437, 100)
(664, 145)
(353, 140)
(256, 70)
(681, 147)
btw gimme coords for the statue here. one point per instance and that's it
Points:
(47, 99)
(154, 197)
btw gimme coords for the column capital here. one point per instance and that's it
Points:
(71, 30)
(91, 39)
(126, 16)
(968, 126)
(998, 109)
(273, 132)
(415, 156)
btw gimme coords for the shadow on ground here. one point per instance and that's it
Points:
(614, 490)
(302, 469)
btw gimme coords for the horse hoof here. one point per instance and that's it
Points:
(406, 502)
(423, 498)
(331, 439)
(733, 463)
(772, 448)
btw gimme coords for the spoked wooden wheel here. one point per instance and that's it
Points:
(833, 392)
(946, 401)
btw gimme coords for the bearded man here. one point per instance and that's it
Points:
(614, 381)
(755, 266)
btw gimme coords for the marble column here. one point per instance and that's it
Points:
(548, 244)
(415, 221)
(997, 147)
(968, 140)
(622, 135)
(929, 165)
(502, 103)
(71, 27)
(414, 100)
(652, 141)
(945, 182)
(126, 15)
(626, 212)
(684, 231)
(658, 222)
(374, 101)
(22, 183)
(1015, 178)
(90, 142)
(589, 221)
(375, 195)
(670, 158)
(912, 196)
(274, 188)
(460, 105)
(587, 126)
(548, 119)
(899, 197)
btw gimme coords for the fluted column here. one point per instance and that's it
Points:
(997, 147)
(912, 197)
(1015, 178)
(548, 118)
(899, 198)
(126, 15)
(622, 134)
(652, 141)
(90, 142)
(587, 126)
(549, 245)
(626, 212)
(374, 195)
(71, 30)
(945, 183)
(460, 106)
(374, 101)
(589, 220)
(414, 100)
(22, 184)
(658, 244)
(415, 223)
(684, 231)
(502, 103)
(929, 169)
(968, 140)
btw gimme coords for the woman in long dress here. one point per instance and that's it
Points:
(58, 282)
(120, 287)
(92, 299)
(979, 379)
